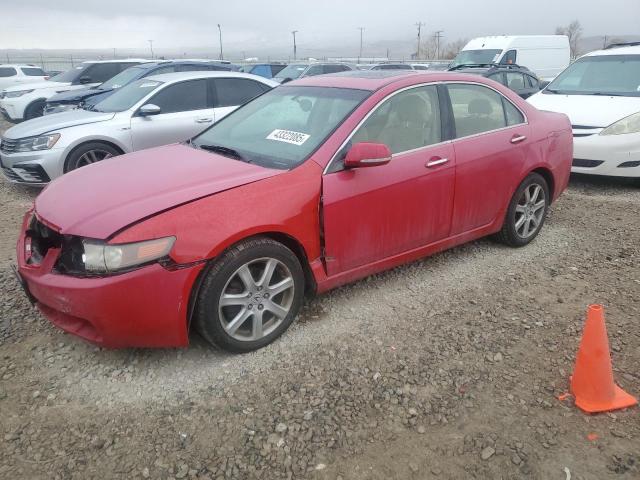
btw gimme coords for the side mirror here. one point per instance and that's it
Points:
(285, 80)
(149, 109)
(85, 79)
(367, 155)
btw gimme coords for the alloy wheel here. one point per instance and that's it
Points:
(92, 156)
(530, 210)
(256, 299)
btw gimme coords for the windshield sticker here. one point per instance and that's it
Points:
(288, 136)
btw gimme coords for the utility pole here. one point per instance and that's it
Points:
(114, 53)
(220, 34)
(295, 48)
(151, 47)
(360, 55)
(438, 35)
(604, 44)
(419, 25)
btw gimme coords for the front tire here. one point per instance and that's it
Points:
(250, 295)
(89, 153)
(526, 213)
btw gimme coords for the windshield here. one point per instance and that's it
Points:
(283, 127)
(126, 97)
(474, 57)
(291, 71)
(122, 78)
(70, 75)
(603, 75)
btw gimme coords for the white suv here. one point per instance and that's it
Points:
(12, 75)
(600, 93)
(26, 101)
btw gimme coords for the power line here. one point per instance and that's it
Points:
(419, 25)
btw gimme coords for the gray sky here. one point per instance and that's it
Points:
(326, 27)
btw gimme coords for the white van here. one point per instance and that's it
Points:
(545, 55)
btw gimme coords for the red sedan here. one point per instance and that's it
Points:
(312, 185)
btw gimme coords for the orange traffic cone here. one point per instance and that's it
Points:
(592, 381)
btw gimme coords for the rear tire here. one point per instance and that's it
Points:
(526, 213)
(34, 110)
(89, 153)
(250, 295)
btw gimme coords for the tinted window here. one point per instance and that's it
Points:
(515, 81)
(314, 70)
(197, 68)
(123, 78)
(275, 69)
(513, 115)
(236, 91)
(7, 72)
(474, 57)
(509, 57)
(73, 74)
(101, 72)
(497, 77)
(408, 120)
(392, 67)
(291, 71)
(33, 71)
(532, 82)
(476, 109)
(182, 97)
(420, 67)
(335, 68)
(162, 70)
(262, 70)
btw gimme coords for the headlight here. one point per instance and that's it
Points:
(630, 124)
(59, 107)
(16, 94)
(99, 257)
(31, 144)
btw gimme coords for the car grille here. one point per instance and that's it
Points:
(26, 173)
(8, 146)
(579, 162)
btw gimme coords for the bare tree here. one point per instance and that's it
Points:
(452, 48)
(574, 32)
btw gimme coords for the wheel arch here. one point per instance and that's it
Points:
(30, 104)
(84, 141)
(548, 177)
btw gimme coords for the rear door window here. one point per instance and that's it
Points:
(8, 72)
(515, 81)
(314, 70)
(236, 91)
(498, 77)
(476, 109)
(33, 72)
(182, 97)
(335, 68)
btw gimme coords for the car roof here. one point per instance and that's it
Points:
(19, 65)
(370, 79)
(630, 50)
(173, 77)
(120, 60)
(159, 63)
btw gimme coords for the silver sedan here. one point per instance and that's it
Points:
(153, 111)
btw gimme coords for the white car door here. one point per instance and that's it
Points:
(232, 92)
(184, 112)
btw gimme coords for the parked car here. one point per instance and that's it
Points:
(91, 96)
(545, 55)
(600, 92)
(312, 185)
(301, 70)
(266, 70)
(13, 75)
(519, 79)
(149, 112)
(26, 102)
(392, 66)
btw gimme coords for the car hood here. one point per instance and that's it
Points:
(587, 110)
(55, 122)
(98, 200)
(37, 85)
(75, 95)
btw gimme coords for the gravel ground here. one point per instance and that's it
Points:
(446, 368)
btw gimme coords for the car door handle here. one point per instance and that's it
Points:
(204, 120)
(435, 161)
(518, 138)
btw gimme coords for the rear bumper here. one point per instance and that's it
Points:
(610, 155)
(147, 307)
